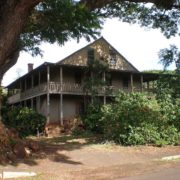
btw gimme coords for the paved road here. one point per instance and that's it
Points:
(165, 174)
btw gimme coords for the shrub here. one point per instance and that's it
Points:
(136, 119)
(146, 134)
(26, 121)
(151, 134)
(170, 135)
(128, 112)
(174, 114)
(92, 118)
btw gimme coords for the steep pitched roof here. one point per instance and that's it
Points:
(102, 46)
(68, 60)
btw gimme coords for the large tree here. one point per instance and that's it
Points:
(24, 24)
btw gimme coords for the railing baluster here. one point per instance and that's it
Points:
(55, 87)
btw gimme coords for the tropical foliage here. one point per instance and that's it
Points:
(26, 121)
(136, 118)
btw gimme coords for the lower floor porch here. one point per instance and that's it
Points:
(60, 108)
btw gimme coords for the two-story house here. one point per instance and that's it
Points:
(56, 90)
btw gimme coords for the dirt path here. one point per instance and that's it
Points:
(68, 158)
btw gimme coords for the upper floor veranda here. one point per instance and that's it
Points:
(52, 78)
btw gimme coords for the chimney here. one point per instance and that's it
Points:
(30, 67)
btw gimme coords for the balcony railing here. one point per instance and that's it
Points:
(14, 98)
(66, 88)
(41, 89)
(55, 87)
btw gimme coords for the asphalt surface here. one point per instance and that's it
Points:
(164, 174)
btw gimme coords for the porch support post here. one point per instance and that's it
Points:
(104, 80)
(20, 86)
(141, 83)
(25, 84)
(39, 78)
(132, 88)
(32, 103)
(48, 95)
(32, 81)
(25, 88)
(61, 96)
(38, 100)
(92, 80)
(25, 103)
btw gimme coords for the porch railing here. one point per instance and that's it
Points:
(34, 91)
(55, 87)
(14, 98)
(66, 88)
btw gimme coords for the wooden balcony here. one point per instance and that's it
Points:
(66, 88)
(14, 98)
(52, 88)
(33, 92)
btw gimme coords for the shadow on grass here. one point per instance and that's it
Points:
(51, 149)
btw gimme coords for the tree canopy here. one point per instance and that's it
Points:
(24, 24)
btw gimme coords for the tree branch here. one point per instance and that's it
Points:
(168, 4)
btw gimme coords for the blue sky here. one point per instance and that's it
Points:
(140, 46)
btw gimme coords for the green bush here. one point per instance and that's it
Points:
(173, 113)
(136, 119)
(92, 118)
(26, 121)
(170, 135)
(146, 134)
(128, 112)
(151, 134)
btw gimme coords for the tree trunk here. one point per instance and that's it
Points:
(0, 99)
(13, 17)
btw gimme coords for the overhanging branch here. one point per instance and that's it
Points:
(166, 4)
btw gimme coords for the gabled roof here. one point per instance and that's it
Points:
(94, 42)
(62, 62)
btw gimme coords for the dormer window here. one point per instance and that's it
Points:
(90, 55)
(112, 57)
